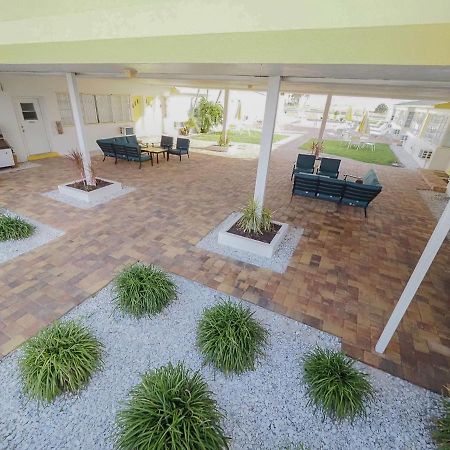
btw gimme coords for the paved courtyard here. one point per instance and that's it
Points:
(344, 277)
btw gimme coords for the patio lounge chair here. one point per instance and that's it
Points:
(304, 164)
(345, 192)
(182, 148)
(329, 167)
(166, 142)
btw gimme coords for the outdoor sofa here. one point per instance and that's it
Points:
(124, 147)
(357, 193)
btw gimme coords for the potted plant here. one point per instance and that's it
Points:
(255, 231)
(88, 187)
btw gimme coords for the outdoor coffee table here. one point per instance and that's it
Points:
(157, 151)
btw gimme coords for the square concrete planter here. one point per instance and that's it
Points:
(251, 245)
(92, 196)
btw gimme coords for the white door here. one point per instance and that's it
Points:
(32, 124)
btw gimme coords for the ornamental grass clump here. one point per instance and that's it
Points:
(144, 290)
(14, 228)
(230, 338)
(335, 386)
(252, 221)
(61, 358)
(171, 408)
(441, 431)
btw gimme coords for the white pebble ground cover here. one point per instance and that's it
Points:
(279, 261)
(42, 235)
(265, 409)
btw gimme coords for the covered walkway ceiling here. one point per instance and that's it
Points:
(392, 49)
(394, 81)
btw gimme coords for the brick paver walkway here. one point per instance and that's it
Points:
(344, 278)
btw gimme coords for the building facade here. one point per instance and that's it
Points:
(424, 130)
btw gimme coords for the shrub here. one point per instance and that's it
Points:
(230, 338)
(14, 228)
(441, 432)
(170, 409)
(144, 290)
(60, 358)
(335, 386)
(207, 114)
(253, 223)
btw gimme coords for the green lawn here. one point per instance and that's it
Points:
(382, 154)
(246, 137)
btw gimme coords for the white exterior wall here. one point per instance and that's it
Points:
(46, 87)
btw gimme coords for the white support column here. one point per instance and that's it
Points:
(325, 117)
(270, 115)
(421, 269)
(226, 102)
(77, 113)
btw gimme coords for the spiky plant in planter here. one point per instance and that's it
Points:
(441, 432)
(230, 338)
(144, 290)
(335, 386)
(76, 157)
(14, 228)
(171, 408)
(252, 222)
(61, 358)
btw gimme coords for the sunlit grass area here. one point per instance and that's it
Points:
(382, 154)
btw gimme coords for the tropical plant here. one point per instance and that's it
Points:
(14, 228)
(335, 386)
(254, 222)
(144, 289)
(190, 124)
(88, 177)
(230, 338)
(171, 408)
(208, 114)
(381, 108)
(61, 358)
(441, 432)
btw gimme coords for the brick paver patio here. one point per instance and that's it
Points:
(344, 278)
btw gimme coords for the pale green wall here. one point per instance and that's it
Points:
(69, 20)
(408, 45)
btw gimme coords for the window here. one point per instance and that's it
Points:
(417, 122)
(104, 110)
(28, 111)
(65, 109)
(98, 108)
(121, 108)
(89, 108)
(409, 119)
(435, 128)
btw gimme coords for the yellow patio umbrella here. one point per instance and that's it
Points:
(363, 126)
(349, 114)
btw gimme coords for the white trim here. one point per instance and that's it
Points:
(270, 116)
(421, 269)
(79, 124)
(325, 117)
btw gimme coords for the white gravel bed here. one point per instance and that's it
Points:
(278, 263)
(42, 235)
(265, 409)
(56, 195)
